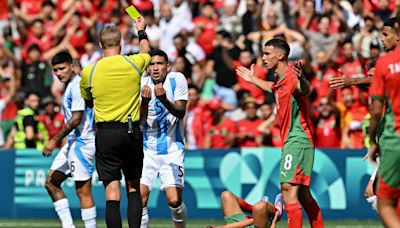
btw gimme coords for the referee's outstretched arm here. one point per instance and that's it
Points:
(144, 43)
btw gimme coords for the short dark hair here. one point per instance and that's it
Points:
(158, 52)
(193, 86)
(61, 57)
(34, 47)
(391, 22)
(280, 44)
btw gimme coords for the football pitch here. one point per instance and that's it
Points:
(190, 224)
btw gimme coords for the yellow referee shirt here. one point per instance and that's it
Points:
(113, 83)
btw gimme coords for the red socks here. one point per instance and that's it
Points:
(245, 206)
(314, 214)
(295, 218)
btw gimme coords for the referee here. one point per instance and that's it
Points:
(112, 87)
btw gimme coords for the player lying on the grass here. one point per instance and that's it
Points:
(264, 214)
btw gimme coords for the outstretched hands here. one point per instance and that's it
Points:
(246, 74)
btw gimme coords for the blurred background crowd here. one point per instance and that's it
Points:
(206, 41)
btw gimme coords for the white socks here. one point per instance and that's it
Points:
(89, 217)
(145, 218)
(62, 208)
(179, 214)
(372, 201)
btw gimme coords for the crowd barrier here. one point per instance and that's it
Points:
(338, 182)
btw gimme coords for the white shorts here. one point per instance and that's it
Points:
(76, 159)
(170, 168)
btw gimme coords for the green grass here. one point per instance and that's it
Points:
(190, 224)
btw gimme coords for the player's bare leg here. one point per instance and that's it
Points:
(387, 212)
(53, 186)
(369, 195)
(230, 203)
(177, 207)
(311, 207)
(293, 208)
(262, 211)
(88, 210)
(145, 193)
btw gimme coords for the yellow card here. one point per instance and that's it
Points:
(132, 12)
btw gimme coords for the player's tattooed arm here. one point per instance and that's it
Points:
(68, 127)
(144, 106)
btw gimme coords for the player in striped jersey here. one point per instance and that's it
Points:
(164, 99)
(76, 158)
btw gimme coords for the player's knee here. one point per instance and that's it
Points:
(226, 195)
(174, 202)
(83, 192)
(289, 194)
(50, 185)
(259, 207)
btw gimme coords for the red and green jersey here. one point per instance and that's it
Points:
(292, 113)
(386, 80)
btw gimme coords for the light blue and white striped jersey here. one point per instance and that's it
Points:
(164, 133)
(72, 101)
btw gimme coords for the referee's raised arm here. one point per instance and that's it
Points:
(113, 86)
(144, 43)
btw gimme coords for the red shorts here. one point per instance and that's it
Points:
(387, 192)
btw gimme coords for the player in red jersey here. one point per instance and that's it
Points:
(386, 83)
(290, 88)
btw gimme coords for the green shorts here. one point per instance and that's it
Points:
(296, 165)
(236, 218)
(389, 182)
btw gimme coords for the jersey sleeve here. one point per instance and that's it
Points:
(181, 91)
(77, 104)
(377, 89)
(85, 83)
(141, 60)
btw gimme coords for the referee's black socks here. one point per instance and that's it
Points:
(113, 214)
(134, 209)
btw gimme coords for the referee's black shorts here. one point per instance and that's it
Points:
(116, 149)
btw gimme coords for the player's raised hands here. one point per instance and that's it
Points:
(160, 93)
(146, 93)
(373, 153)
(298, 71)
(50, 146)
(140, 23)
(246, 74)
(340, 82)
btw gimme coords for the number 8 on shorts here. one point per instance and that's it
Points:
(296, 165)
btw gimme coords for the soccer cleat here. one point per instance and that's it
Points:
(279, 205)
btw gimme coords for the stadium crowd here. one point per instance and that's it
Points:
(206, 41)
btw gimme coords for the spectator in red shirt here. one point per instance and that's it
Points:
(353, 114)
(205, 24)
(247, 134)
(352, 68)
(222, 130)
(195, 120)
(52, 118)
(268, 128)
(246, 60)
(38, 36)
(327, 126)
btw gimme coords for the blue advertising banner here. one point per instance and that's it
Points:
(338, 183)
